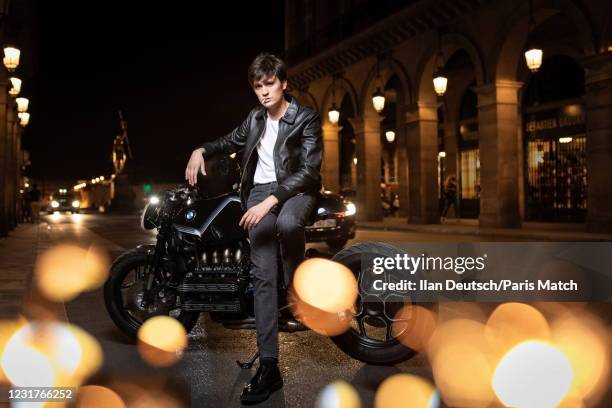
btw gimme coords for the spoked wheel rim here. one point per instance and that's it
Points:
(376, 321)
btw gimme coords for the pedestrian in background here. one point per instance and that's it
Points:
(34, 199)
(450, 197)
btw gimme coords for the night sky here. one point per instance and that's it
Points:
(177, 72)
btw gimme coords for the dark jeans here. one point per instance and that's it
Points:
(282, 229)
(450, 199)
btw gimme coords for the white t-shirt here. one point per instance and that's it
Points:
(265, 172)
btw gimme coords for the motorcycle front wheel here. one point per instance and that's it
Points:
(123, 295)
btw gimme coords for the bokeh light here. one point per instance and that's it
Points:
(338, 394)
(96, 396)
(326, 285)
(585, 341)
(514, 323)
(413, 326)
(65, 271)
(161, 340)
(41, 351)
(406, 390)
(323, 295)
(534, 374)
(462, 363)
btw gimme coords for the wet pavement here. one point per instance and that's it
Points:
(208, 370)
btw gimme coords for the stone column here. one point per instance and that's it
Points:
(422, 137)
(498, 121)
(330, 169)
(367, 145)
(17, 166)
(402, 162)
(451, 148)
(4, 167)
(598, 100)
(11, 184)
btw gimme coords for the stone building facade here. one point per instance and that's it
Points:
(523, 145)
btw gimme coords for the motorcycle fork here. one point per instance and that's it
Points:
(150, 289)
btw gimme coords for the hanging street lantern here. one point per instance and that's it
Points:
(334, 114)
(378, 100)
(16, 82)
(533, 56)
(378, 97)
(440, 83)
(22, 104)
(11, 58)
(24, 119)
(390, 135)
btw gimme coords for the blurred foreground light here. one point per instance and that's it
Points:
(323, 296)
(514, 323)
(533, 374)
(65, 271)
(413, 326)
(69, 354)
(95, 396)
(461, 363)
(11, 58)
(585, 341)
(406, 390)
(326, 285)
(161, 341)
(338, 394)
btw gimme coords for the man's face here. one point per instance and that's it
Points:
(269, 91)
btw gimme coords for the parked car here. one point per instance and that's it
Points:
(333, 222)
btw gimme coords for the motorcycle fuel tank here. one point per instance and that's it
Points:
(213, 218)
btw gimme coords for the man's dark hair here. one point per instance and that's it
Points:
(266, 64)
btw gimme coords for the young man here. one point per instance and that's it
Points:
(282, 152)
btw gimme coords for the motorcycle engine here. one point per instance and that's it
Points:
(219, 281)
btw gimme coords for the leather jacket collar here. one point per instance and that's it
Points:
(289, 115)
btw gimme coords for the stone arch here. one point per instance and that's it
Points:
(343, 87)
(388, 69)
(450, 43)
(307, 99)
(512, 36)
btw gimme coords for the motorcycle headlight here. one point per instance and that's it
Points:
(54, 204)
(76, 204)
(350, 209)
(148, 214)
(154, 200)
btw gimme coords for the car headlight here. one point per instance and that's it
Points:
(154, 200)
(54, 204)
(350, 209)
(76, 203)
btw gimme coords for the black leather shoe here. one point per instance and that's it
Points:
(266, 380)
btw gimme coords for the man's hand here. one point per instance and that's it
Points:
(254, 214)
(196, 163)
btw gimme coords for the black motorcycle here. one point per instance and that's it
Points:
(201, 263)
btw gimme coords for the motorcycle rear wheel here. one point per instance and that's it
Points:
(124, 267)
(357, 342)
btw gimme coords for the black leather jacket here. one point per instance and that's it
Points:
(297, 153)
